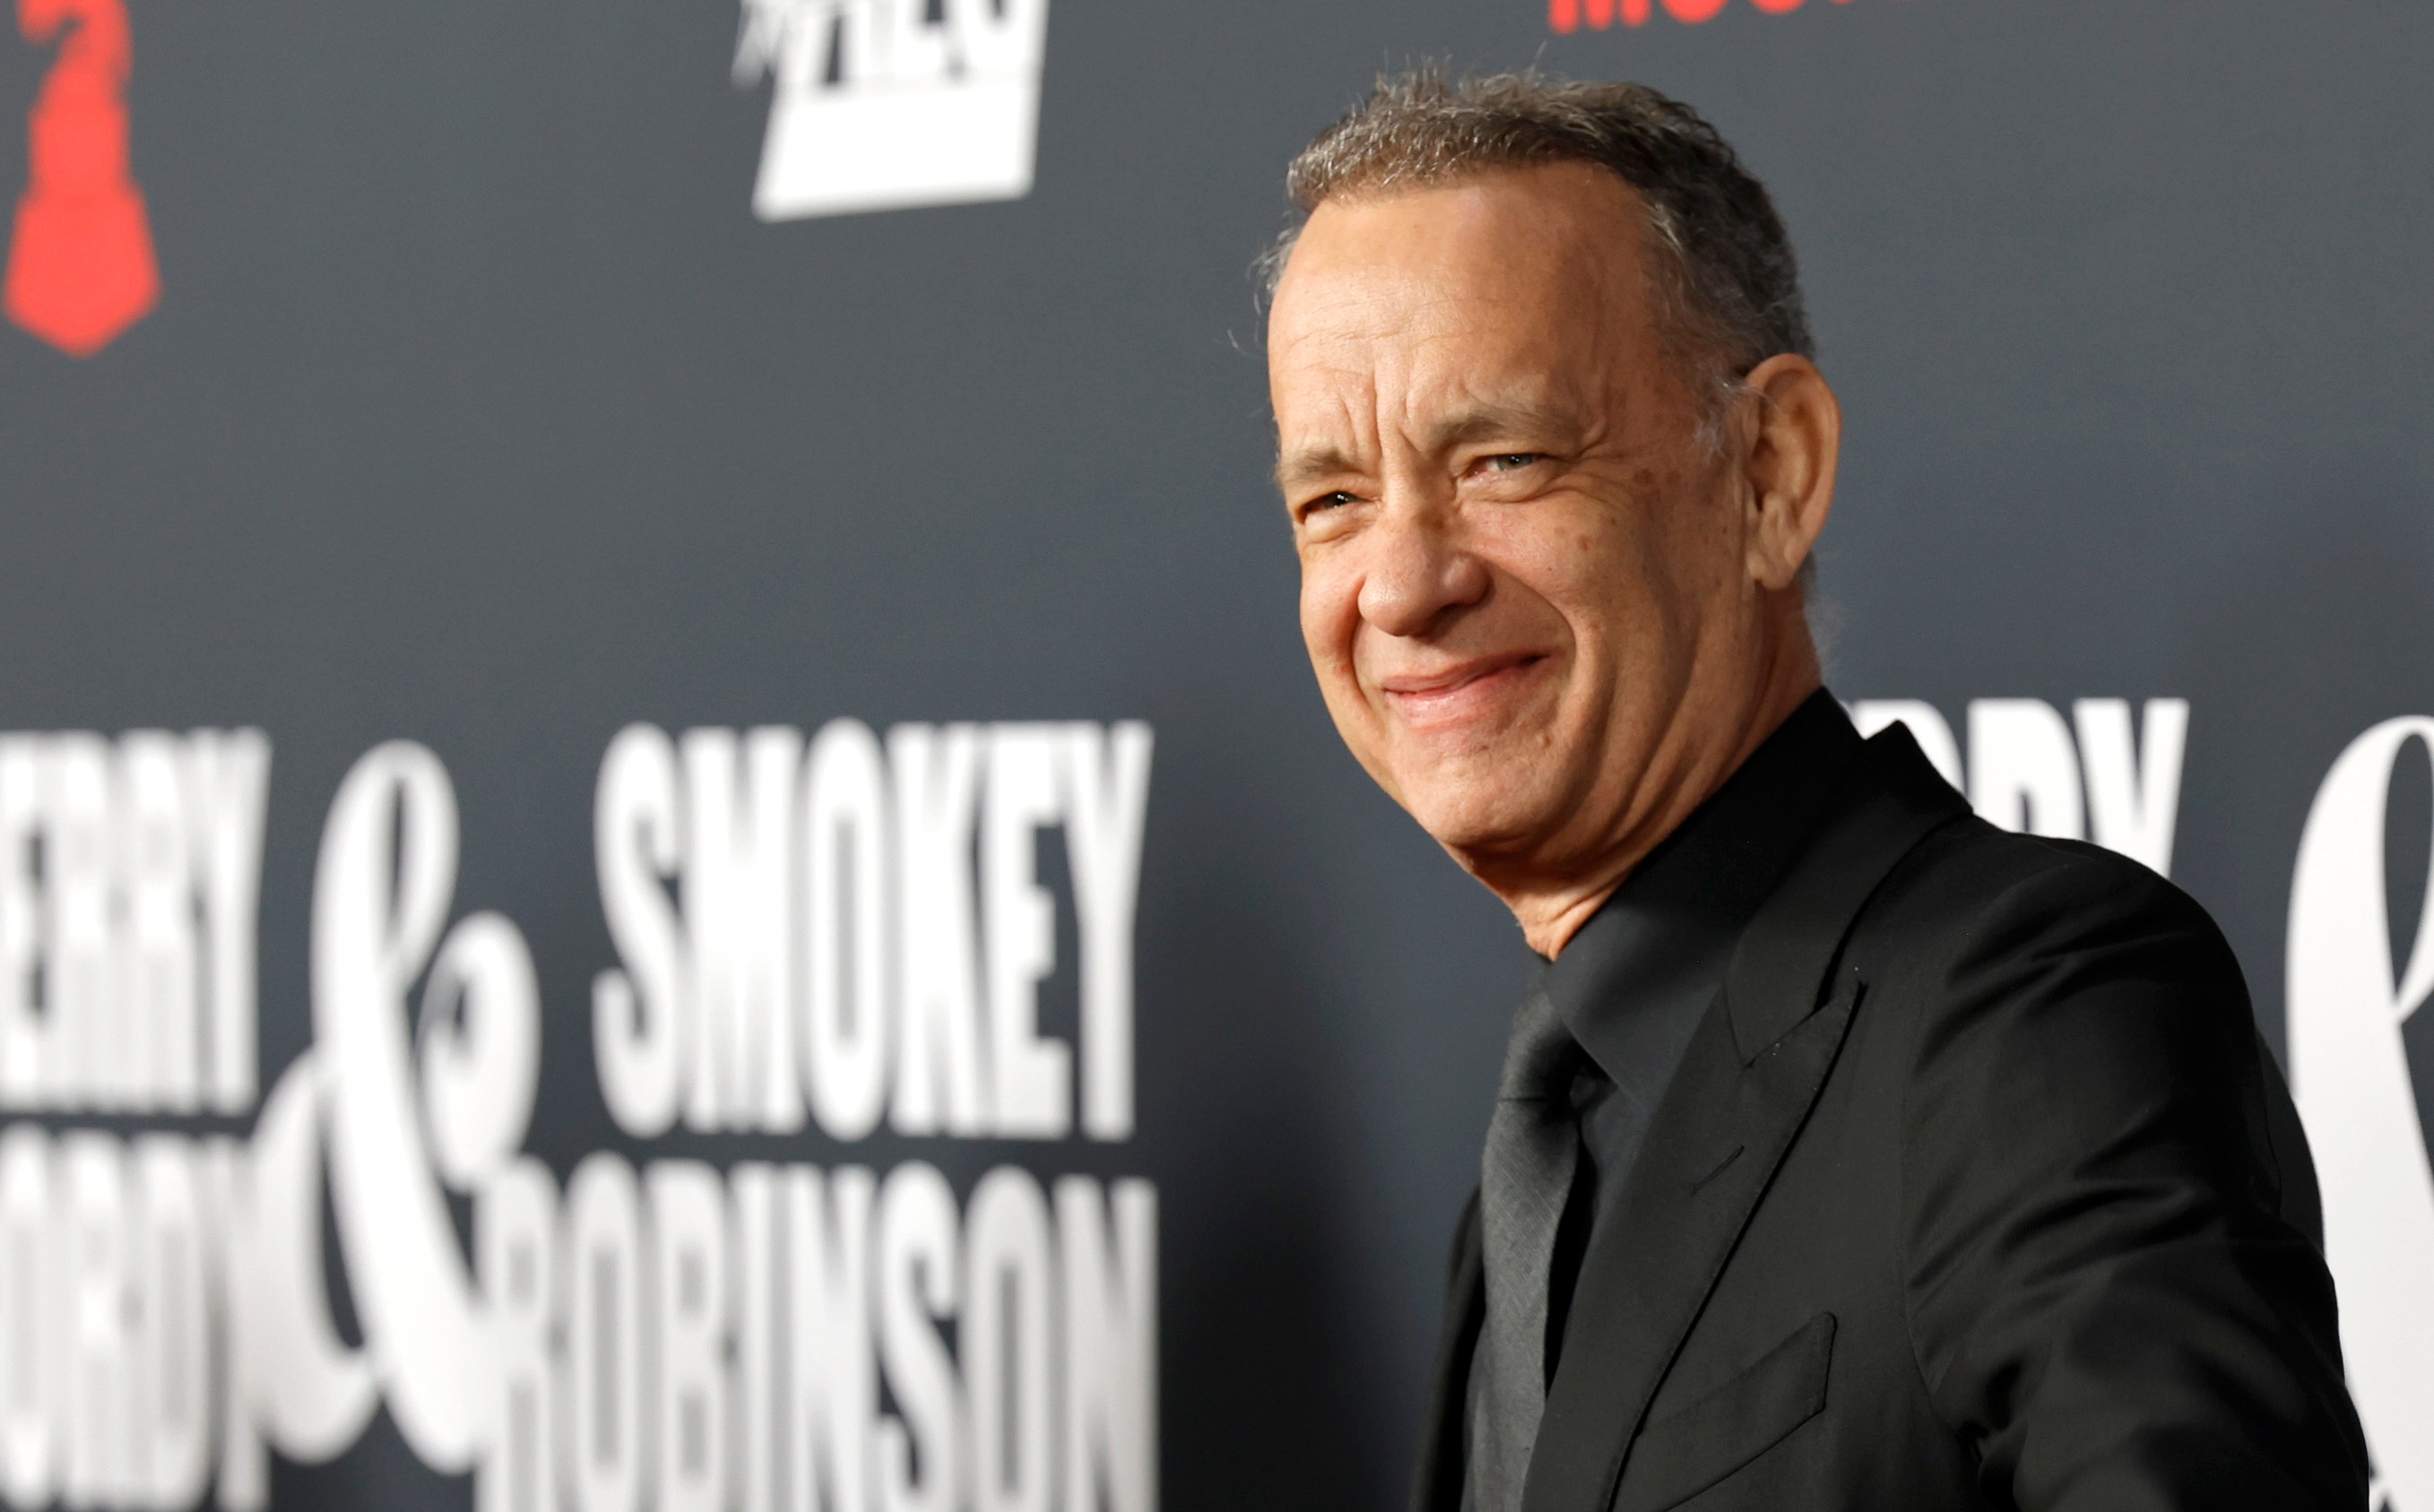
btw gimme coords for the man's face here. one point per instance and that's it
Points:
(1523, 571)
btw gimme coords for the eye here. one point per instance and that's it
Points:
(1323, 502)
(1513, 461)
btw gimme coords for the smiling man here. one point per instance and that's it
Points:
(1850, 1153)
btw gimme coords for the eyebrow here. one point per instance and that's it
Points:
(1488, 420)
(1477, 424)
(1313, 463)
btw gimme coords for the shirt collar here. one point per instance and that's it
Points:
(1653, 956)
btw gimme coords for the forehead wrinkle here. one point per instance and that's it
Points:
(1462, 403)
(1348, 306)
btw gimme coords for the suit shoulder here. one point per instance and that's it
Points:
(2053, 984)
(1971, 883)
(1979, 925)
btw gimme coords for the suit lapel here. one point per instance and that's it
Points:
(1437, 1487)
(1715, 1143)
(1752, 1070)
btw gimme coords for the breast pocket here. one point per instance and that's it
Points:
(1691, 1447)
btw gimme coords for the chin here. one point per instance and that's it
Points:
(1469, 822)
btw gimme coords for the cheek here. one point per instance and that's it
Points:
(1329, 612)
(1638, 573)
(1574, 580)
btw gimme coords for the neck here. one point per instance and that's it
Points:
(1551, 909)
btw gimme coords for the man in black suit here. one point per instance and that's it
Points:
(1851, 1154)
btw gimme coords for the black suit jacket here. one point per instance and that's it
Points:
(1975, 1189)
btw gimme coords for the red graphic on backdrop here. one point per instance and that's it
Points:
(1570, 15)
(81, 267)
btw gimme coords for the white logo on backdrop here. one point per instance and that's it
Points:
(886, 103)
(2090, 777)
(2349, 1070)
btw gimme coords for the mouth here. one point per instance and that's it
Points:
(1457, 695)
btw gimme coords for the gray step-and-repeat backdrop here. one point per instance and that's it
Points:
(665, 844)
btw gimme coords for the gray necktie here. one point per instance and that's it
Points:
(1533, 1144)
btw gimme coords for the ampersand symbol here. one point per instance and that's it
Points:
(2349, 1071)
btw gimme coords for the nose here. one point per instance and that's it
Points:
(1418, 575)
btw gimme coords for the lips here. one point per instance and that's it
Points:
(1460, 692)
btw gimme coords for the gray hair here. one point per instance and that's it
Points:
(1727, 284)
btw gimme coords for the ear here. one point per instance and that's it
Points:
(1795, 440)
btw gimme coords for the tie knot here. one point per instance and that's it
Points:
(1541, 1057)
